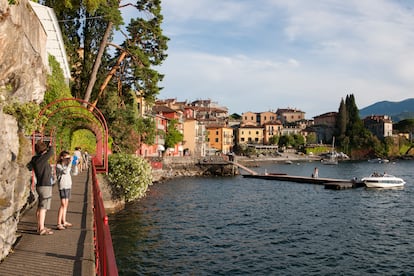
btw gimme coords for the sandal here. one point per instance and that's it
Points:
(45, 231)
(60, 227)
(67, 224)
(46, 228)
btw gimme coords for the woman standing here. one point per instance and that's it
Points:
(63, 169)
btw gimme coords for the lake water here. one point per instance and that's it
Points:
(244, 226)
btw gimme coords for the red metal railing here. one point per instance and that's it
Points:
(105, 263)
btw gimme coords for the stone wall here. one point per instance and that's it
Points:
(22, 79)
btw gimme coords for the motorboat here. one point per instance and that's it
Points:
(378, 160)
(376, 180)
(331, 161)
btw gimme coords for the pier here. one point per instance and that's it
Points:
(329, 183)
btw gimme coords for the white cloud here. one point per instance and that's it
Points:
(265, 54)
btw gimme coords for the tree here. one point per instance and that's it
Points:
(406, 126)
(84, 25)
(311, 138)
(87, 28)
(299, 140)
(274, 140)
(286, 141)
(173, 135)
(341, 122)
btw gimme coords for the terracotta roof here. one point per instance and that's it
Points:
(163, 109)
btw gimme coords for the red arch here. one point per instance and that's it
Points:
(101, 157)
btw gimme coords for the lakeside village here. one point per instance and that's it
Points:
(209, 132)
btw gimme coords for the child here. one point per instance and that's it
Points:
(63, 168)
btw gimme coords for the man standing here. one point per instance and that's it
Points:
(44, 181)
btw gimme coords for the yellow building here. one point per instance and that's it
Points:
(220, 138)
(272, 128)
(250, 135)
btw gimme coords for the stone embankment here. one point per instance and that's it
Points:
(187, 166)
(174, 167)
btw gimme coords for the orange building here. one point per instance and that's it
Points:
(220, 138)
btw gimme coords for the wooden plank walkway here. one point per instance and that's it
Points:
(304, 179)
(66, 252)
(252, 172)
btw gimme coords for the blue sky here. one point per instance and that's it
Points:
(266, 54)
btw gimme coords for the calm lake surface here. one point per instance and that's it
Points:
(242, 226)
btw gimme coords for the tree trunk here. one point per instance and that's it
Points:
(109, 77)
(98, 61)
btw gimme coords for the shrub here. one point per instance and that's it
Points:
(129, 175)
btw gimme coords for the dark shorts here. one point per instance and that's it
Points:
(45, 196)
(64, 193)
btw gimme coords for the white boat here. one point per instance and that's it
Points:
(383, 181)
(378, 160)
(331, 161)
(332, 156)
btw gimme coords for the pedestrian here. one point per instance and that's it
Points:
(63, 172)
(315, 173)
(74, 162)
(44, 181)
(86, 160)
(78, 154)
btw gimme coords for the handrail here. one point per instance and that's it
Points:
(105, 263)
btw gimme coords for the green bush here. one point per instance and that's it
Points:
(129, 175)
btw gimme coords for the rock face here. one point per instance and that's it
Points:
(22, 79)
(14, 182)
(22, 53)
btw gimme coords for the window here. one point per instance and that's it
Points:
(217, 133)
(256, 139)
(257, 133)
(242, 139)
(217, 139)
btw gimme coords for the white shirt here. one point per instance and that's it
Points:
(63, 176)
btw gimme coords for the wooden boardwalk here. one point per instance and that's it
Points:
(66, 252)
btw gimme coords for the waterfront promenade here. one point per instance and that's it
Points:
(66, 252)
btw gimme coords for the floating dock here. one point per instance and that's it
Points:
(329, 183)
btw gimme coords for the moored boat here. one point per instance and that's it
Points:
(378, 160)
(383, 181)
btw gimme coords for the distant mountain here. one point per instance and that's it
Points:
(396, 110)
